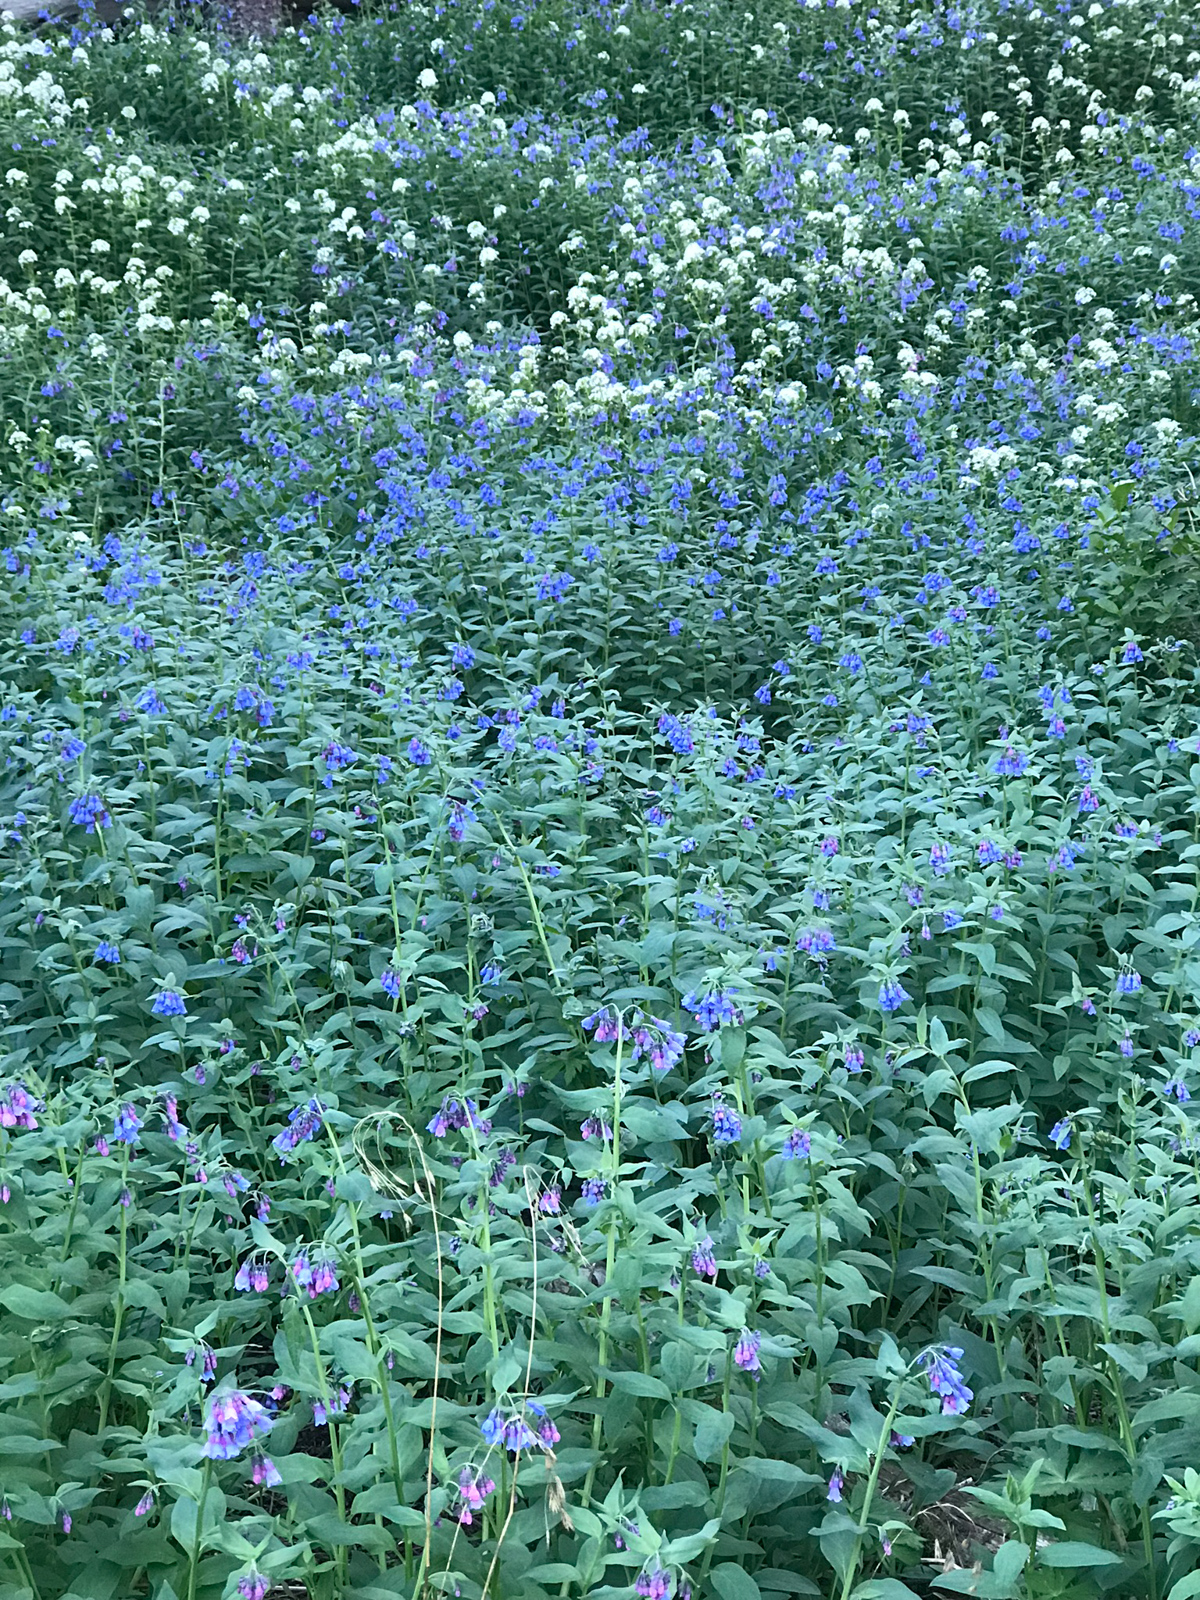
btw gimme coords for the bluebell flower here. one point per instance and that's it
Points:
(391, 981)
(798, 1145)
(726, 1124)
(745, 1351)
(168, 1003)
(232, 1422)
(833, 1491)
(337, 757)
(304, 1122)
(892, 994)
(1060, 1134)
(463, 656)
(1010, 763)
(90, 813)
(661, 1045)
(1128, 981)
(107, 951)
(941, 1368)
(704, 1262)
(126, 1126)
(712, 1010)
(418, 753)
(1176, 1089)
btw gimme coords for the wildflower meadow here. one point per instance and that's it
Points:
(600, 812)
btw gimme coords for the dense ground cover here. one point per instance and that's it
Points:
(601, 845)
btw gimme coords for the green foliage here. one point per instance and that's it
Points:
(599, 809)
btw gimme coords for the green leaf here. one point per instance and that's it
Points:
(734, 1583)
(713, 1429)
(1074, 1553)
(639, 1383)
(329, 1529)
(882, 1589)
(35, 1305)
(1009, 1561)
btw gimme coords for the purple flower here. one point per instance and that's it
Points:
(304, 1122)
(607, 1024)
(168, 1003)
(1132, 653)
(89, 813)
(126, 1125)
(454, 1114)
(335, 1406)
(712, 1010)
(892, 994)
(798, 1145)
(653, 1583)
(107, 951)
(172, 1127)
(659, 1043)
(264, 1471)
(391, 982)
(595, 1127)
(463, 656)
(17, 1106)
(418, 753)
(1060, 1134)
(940, 859)
(941, 1368)
(1176, 1089)
(592, 1191)
(704, 1263)
(855, 1058)
(337, 757)
(836, 1482)
(745, 1351)
(511, 1432)
(1128, 981)
(316, 1277)
(543, 1424)
(233, 1422)
(1011, 763)
(726, 1124)
(253, 1586)
(253, 1275)
(473, 1490)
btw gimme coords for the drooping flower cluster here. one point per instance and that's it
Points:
(510, 1430)
(304, 1123)
(940, 1364)
(17, 1107)
(233, 1422)
(712, 1010)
